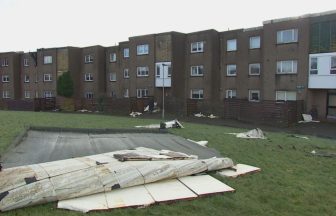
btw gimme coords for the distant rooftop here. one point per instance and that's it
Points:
(300, 17)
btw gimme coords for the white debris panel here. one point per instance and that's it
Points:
(238, 170)
(251, 134)
(59, 180)
(168, 124)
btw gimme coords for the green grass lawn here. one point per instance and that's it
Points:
(291, 182)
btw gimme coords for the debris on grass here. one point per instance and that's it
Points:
(77, 177)
(135, 114)
(199, 115)
(252, 134)
(297, 136)
(238, 170)
(168, 124)
(201, 142)
(307, 118)
(323, 154)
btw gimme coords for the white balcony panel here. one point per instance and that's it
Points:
(159, 82)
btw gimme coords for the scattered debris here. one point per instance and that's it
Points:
(238, 170)
(83, 110)
(199, 115)
(307, 118)
(189, 187)
(135, 114)
(252, 134)
(169, 124)
(212, 116)
(146, 109)
(77, 177)
(297, 136)
(323, 154)
(201, 142)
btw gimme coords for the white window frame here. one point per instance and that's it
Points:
(230, 93)
(25, 62)
(113, 76)
(88, 58)
(113, 57)
(47, 78)
(47, 59)
(4, 62)
(250, 69)
(143, 49)
(199, 92)
(126, 52)
(197, 47)
(286, 95)
(126, 73)
(27, 94)
(231, 45)
(228, 69)
(294, 36)
(251, 45)
(332, 67)
(88, 95)
(313, 71)
(88, 77)
(142, 71)
(5, 78)
(26, 78)
(126, 93)
(47, 94)
(251, 92)
(5, 94)
(280, 66)
(197, 70)
(142, 93)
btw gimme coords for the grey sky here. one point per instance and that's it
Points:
(30, 24)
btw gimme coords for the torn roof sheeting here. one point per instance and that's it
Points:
(41, 183)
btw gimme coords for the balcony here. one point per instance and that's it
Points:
(322, 71)
(162, 82)
(163, 74)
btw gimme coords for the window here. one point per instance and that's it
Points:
(47, 60)
(5, 62)
(254, 69)
(5, 94)
(287, 67)
(313, 66)
(5, 78)
(196, 94)
(142, 49)
(333, 65)
(88, 77)
(285, 96)
(254, 95)
(142, 93)
(287, 36)
(255, 42)
(142, 71)
(88, 58)
(126, 93)
(113, 57)
(230, 93)
(113, 93)
(196, 70)
(126, 52)
(47, 94)
(26, 62)
(113, 76)
(26, 78)
(36, 94)
(27, 94)
(197, 47)
(231, 45)
(231, 70)
(88, 95)
(47, 78)
(126, 73)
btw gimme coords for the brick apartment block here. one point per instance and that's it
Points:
(289, 59)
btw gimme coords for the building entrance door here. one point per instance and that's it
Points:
(331, 104)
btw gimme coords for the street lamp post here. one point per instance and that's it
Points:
(163, 90)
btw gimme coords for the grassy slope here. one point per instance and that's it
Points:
(291, 181)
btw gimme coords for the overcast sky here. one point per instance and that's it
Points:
(30, 24)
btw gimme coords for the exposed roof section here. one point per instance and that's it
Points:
(300, 17)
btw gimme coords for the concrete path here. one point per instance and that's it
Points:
(44, 146)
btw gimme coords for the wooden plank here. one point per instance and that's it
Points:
(205, 184)
(238, 170)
